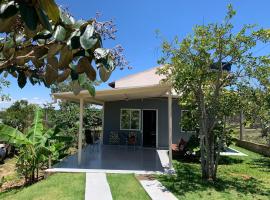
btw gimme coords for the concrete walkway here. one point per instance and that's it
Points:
(156, 190)
(97, 187)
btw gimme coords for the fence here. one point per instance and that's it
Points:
(258, 148)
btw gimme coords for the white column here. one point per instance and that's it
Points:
(80, 133)
(170, 126)
(102, 133)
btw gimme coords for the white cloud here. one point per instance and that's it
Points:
(35, 100)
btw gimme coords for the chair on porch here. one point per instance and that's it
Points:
(132, 139)
(90, 140)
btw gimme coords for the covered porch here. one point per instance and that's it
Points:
(115, 159)
(107, 156)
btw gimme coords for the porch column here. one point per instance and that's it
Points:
(170, 126)
(80, 133)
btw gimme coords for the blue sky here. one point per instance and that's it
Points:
(137, 22)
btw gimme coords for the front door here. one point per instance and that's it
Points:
(149, 128)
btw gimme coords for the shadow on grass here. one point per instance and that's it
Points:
(188, 179)
(224, 160)
(263, 164)
(229, 160)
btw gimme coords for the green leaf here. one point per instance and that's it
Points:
(60, 33)
(8, 10)
(82, 79)
(12, 135)
(66, 18)
(79, 23)
(91, 89)
(29, 16)
(21, 79)
(51, 8)
(88, 40)
(43, 19)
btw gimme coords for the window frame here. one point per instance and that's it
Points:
(130, 109)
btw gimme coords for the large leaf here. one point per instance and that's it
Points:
(60, 33)
(82, 79)
(8, 10)
(54, 49)
(66, 18)
(88, 40)
(44, 19)
(91, 89)
(36, 131)
(12, 136)
(29, 16)
(21, 79)
(85, 66)
(66, 57)
(64, 75)
(104, 73)
(51, 70)
(51, 9)
(6, 24)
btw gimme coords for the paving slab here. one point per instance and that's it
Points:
(97, 187)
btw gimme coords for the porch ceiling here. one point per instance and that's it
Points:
(116, 94)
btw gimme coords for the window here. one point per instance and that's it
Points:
(130, 119)
(188, 123)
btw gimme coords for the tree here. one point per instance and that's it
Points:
(35, 146)
(43, 43)
(4, 83)
(19, 115)
(206, 66)
(67, 114)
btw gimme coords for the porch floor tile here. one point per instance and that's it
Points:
(107, 158)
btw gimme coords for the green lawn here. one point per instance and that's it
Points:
(126, 187)
(244, 178)
(62, 186)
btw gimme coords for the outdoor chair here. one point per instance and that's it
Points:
(90, 140)
(132, 140)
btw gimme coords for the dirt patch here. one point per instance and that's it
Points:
(243, 176)
(145, 177)
(9, 168)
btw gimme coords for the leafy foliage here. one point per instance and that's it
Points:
(211, 67)
(35, 146)
(43, 43)
(19, 115)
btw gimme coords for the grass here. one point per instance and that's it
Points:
(126, 186)
(244, 178)
(63, 186)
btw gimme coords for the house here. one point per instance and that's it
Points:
(138, 105)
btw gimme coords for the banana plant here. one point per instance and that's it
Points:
(35, 146)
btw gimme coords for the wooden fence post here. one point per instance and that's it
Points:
(242, 127)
